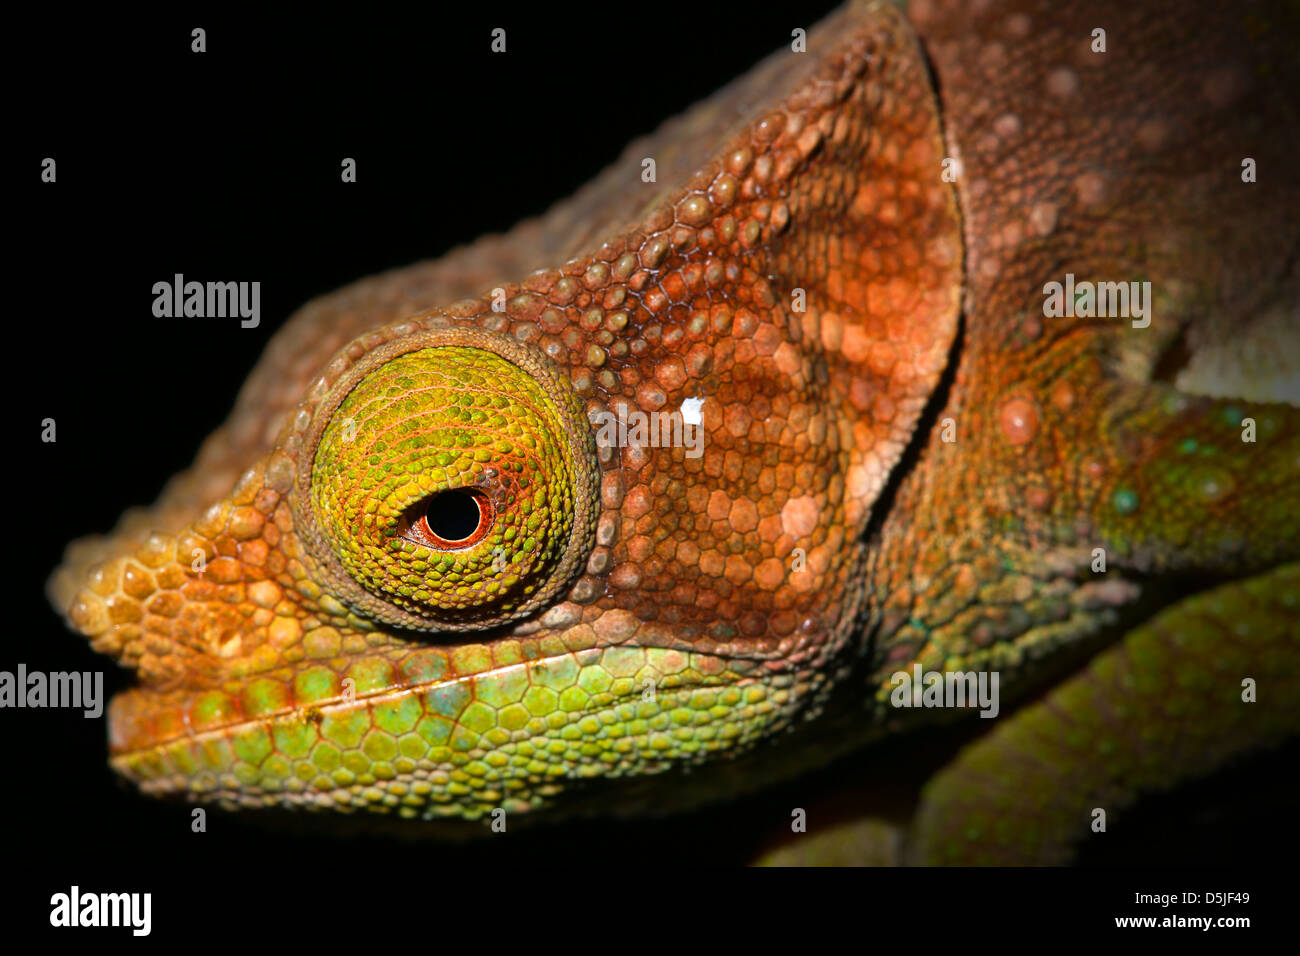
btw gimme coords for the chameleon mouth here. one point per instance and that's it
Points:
(431, 748)
(143, 721)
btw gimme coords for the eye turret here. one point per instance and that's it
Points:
(453, 486)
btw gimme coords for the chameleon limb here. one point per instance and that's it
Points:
(1164, 706)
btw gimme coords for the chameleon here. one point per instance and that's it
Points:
(415, 580)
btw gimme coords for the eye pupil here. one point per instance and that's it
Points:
(453, 520)
(454, 516)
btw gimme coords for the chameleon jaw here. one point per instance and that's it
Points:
(415, 753)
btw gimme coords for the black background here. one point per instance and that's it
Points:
(226, 165)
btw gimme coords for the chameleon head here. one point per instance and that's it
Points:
(410, 604)
(504, 555)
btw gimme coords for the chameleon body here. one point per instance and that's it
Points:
(407, 577)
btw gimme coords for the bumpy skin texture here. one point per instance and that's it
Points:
(807, 271)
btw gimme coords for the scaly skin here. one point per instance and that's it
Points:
(621, 616)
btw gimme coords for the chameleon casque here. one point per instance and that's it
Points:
(406, 578)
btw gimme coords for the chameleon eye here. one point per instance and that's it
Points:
(453, 519)
(454, 485)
